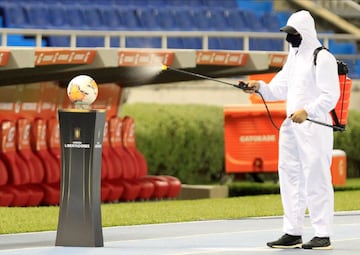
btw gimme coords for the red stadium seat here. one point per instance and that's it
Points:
(113, 170)
(36, 192)
(3, 174)
(132, 187)
(51, 182)
(53, 138)
(6, 196)
(23, 147)
(129, 142)
(17, 177)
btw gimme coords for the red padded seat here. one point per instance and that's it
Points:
(27, 159)
(113, 169)
(132, 187)
(18, 177)
(53, 139)
(51, 182)
(129, 142)
(6, 196)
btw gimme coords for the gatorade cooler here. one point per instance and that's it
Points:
(338, 168)
(251, 141)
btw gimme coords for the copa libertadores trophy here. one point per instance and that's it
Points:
(81, 136)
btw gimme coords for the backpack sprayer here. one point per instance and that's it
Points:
(242, 85)
(340, 113)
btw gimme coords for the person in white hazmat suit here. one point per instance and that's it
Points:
(305, 148)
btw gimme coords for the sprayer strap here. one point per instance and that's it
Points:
(342, 69)
(335, 118)
(316, 51)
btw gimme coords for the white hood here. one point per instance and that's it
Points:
(304, 23)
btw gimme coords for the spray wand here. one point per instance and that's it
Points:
(242, 85)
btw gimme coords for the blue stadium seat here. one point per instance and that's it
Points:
(216, 19)
(342, 47)
(184, 19)
(38, 15)
(256, 6)
(74, 17)
(222, 4)
(93, 17)
(277, 44)
(135, 3)
(58, 41)
(129, 18)
(86, 17)
(148, 18)
(232, 43)
(19, 40)
(214, 43)
(226, 44)
(138, 42)
(283, 17)
(182, 3)
(14, 15)
(89, 41)
(111, 18)
(253, 22)
(202, 17)
(236, 19)
(263, 44)
(175, 43)
(270, 22)
(192, 43)
(57, 18)
(356, 73)
(167, 19)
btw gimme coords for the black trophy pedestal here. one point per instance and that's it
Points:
(81, 134)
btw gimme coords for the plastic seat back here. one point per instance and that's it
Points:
(16, 175)
(51, 166)
(37, 14)
(129, 142)
(14, 16)
(24, 150)
(111, 18)
(53, 138)
(129, 167)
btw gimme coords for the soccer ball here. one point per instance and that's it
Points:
(82, 90)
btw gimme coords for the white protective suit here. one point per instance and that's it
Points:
(305, 150)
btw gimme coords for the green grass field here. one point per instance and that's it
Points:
(17, 220)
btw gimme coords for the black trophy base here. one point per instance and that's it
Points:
(81, 134)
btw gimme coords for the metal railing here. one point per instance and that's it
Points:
(42, 34)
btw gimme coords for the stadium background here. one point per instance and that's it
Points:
(32, 103)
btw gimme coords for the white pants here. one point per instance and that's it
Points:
(305, 153)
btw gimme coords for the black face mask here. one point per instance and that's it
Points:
(294, 40)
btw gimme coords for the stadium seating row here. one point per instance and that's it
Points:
(143, 3)
(30, 165)
(104, 17)
(135, 18)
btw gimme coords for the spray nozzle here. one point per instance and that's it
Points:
(242, 85)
